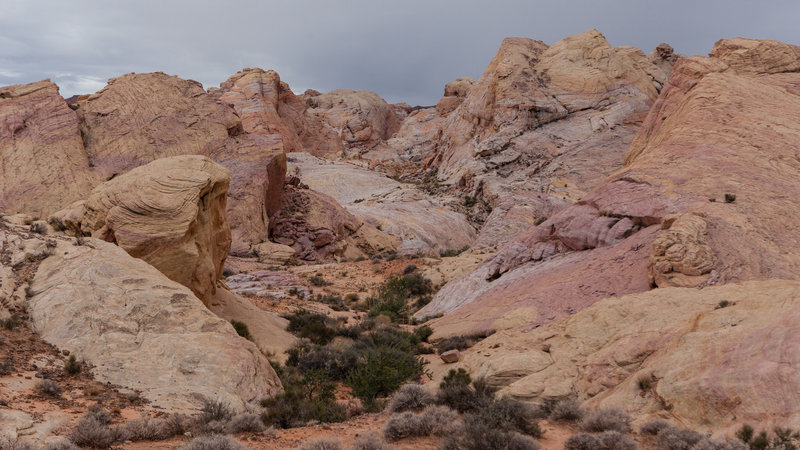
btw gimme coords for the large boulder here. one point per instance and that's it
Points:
(143, 331)
(170, 213)
(43, 163)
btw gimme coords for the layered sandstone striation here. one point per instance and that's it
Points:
(171, 214)
(709, 134)
(542, 126)
(42, 162)
(711, 368)
(143, 331)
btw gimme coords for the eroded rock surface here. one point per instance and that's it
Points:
(712, 368)
(142, 331)
(42, 163)
(171, 214)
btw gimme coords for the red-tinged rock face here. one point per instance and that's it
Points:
(41, 153)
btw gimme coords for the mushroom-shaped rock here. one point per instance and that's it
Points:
(170, 213)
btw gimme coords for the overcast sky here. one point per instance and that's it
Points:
(405, 50)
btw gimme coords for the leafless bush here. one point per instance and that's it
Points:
(607, 419)
(711, 444)
(61, 444)
(49, 388)
(568, 410)
(214, 427)
(215, 410)
(582, 441)
(401, 426)
(246, 422)
(322, 444)
(370, 442)
(143, 429)
(675, 438)
(614, 440)
(410, 397)
(653, 426)
(437, 420)
(91, 433)
(100, 414)
(213, 442)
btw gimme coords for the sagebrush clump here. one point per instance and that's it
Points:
(213, 442)
(410, 397)
(607, 419)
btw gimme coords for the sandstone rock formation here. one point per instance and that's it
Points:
(137, 118)
(361, 119)
(716, 356)
(712, 368)
(454, 94)
(542, 126)
(266, 106)
(258, 169)
(421, 222)
(318, 228)
(42, 163)
(170, 213)
(143, 331)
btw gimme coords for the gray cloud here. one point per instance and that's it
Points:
(403, 50)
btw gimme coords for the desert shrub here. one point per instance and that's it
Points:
(143, 429)
(72, 366)
(645, 382)
(307, 396)
(333, 363)
(6, 367)
(179, 424)
(241, 329)
(653, 426)
(568, 410)
(381, 369)
(539, 220)
(91, 433)
(402, 425)
(39, 227)
(614, 440)
(607, 419)
(393, 296)
(730, 198)
(760, 442)
(61, 444)
(676, 438)
(711, 444)
(370, 441)
(213, 427)
(49, 388)
(246, 422)
(456, 391)
(317, 280)
(317, 328)
(423, 332)
(13, 321)
(508, 414)
(452, 252)
(469, 201)
(411, 268)
(582, 441)
(213, 442)
(745, 433)
(438, 420)
(478, 436)
(785, 438)
(410, 397)
(334, 301)
(215, 410)
(100, 414)
(461, 342)
(322, 444)
(387, 336)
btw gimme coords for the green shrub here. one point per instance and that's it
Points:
(317, 280)
(461, 342)
(318, 328)
(381, 369)
(307, 396)
(241, 329)
(458, 392)
(72, 366)
(470, 201)
(452, 252)
(393, 296)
